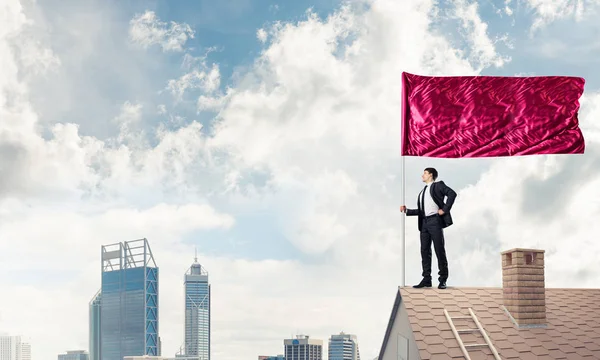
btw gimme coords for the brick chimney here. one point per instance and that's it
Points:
(524, 287)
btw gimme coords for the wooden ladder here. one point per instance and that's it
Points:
(465, 347)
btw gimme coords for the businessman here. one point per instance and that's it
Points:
(434, 215)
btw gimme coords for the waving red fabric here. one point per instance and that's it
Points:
(488, 116)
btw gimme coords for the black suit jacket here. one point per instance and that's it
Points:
(438, 191)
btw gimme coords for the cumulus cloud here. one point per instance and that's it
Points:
(262, 35)
(146, 30)
(548, 11)
(482, 48)
(207, 80)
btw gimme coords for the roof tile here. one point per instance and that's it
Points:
(433, 340)
(510, 354)
(440, 357)
(539, 350)
(437, 349)
(550, 345)
(456, 353)
(557, 354)
(429, 331)
(593, 347)
(522, 347)
(577, 343)
(567, 349)
(584, 352)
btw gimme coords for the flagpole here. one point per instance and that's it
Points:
(403, 108)
(403, 219)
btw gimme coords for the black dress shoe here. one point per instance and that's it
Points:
(442, 285)
(423, 284)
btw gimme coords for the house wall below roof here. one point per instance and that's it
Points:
(401, 332)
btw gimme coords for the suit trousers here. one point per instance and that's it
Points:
(432, 231)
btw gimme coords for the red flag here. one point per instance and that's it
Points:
(487, 116)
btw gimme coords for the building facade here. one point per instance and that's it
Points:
(25, 351)
(343, 347)
(278, 357)
(303, 348)
(94, 331)
(75, 355)
(14, 348)
(129, 302)
(197, 312)
(146, 357)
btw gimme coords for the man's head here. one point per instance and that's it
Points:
(429, 175)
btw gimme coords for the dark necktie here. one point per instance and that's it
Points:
(423, 199)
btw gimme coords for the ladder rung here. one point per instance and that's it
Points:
(467, 330)
(476, 345)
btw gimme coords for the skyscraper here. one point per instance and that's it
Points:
(197, 312)
(25, 351)
(74, 355)
(129, 301)
(343, 347)
(14, 348)
(94, 332)
(303, 348)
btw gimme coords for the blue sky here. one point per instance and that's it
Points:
(226, 33)
(293, 179)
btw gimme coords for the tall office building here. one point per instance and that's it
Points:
(129, 301)
(303, 348)
(94, 331)
(146, 357)
(75, 355)
(197, 312)
(25, 351)
(14, 348)
(343, 347)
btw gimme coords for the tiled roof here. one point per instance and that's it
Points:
(572, 331)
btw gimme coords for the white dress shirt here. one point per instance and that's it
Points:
(430, 207)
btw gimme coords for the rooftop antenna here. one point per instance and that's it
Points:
(195, 254)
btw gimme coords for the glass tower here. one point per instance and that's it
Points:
(129, 301)
(94, 331)
(74, 355)
(197, 312)
(343, 347)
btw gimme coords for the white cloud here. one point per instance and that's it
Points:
(211, 103)
(146, 30)
(262, 35)
(548, 11)
(207, 80)
(317, 114)
(482, 47)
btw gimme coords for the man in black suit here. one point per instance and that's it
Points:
(434, 216)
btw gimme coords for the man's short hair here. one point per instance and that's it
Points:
(433, 172)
